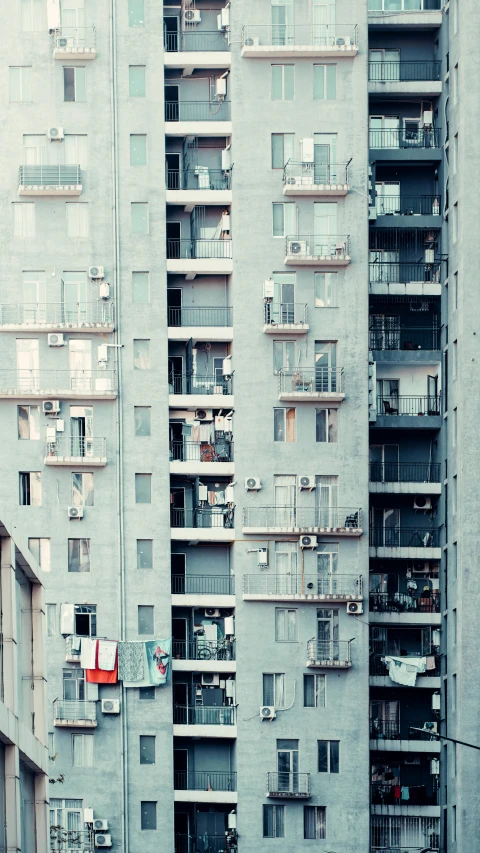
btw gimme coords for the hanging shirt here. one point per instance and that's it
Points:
(107, 654)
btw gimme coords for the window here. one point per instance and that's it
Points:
(20, 84)
(455, 153)
(147, 749)
(32, 15)
(283, 355)
(454, 495)
(73, 684)
(148, 809)
(142, 418)
(144, 553)
(274, 689)
(138, 149)
(454, 359)
(136, 81)
(66, 814)
(139, 214)
(143, 488)
(274, 821)
(284, 219)
(326, 425)
(324, 82)
(146, 693)
(284, 425)
(28, 418)
(74, 84)
(30, 484)
(314, 822)
(85, 620)
(52, 629)
(455, 84)
(76, 149)
(283, 82)
(140, 287)
(77, 219)
(82, 750)
(40, 549)
(455, 222)
(285, 625)
(283, 149)
(455, 291)
(326, 289)
(23, 219)
(454, 427)
(328, 756)
(82, 489)
(141, 355)
(136, 13)
(314, 691)
(145, 619)
(79, 555)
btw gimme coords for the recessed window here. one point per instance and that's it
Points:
(52, 623)
(82, 489)
(314, 822)
(274, 821)
(284, 219)
(274, 689)
(324, 82)
(23, 219)
(142, 421)
(283, 149)
(144, 553)
(40, 549)
(147, 749)
(82, 750)
(146, 694)
(326, 289)
(145, 619)
(328, 756)
(283, 82)
(138, 149)
(76, 149)
(326, 425)
(140, 287)
(314, 691)
(79, 555)
(136, 13)
(148, 815)
(141, 354)
(30, 488)
(85, 620)
(139, 214)
(77, 219)
(136, 81)
(286, 628)
(33, 18)
(20, 84)
(143, 488)
(74, 84)
(284, 426)
(28, 423)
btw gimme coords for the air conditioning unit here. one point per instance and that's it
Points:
(100, 824)
(422, 502)
(102, 840)
(75, 511)
(104, 290)
(51, 407)
(204, 415)
(223, 19)
(267, 712)
(232, 820)
(292, 180)
(110, 706)
(297, 247)
(308, 542)
(96, 272)
(55, 340)
(192, 16)
(354, 608)
(227, 368)
(268, 288)
(55, 134)
(212, 613)
(62, 42)
(253, 484)
(210, 679)
(307, 482)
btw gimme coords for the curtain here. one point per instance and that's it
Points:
(76, 150)
(24, 219)
(77, 219)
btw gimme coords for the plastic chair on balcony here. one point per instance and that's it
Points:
(389, 409)
(352, 520)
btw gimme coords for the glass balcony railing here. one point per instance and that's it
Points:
(404, 537)
(203, 715)
(404, 338)
(199, 178)
(412, 406)
(197, 110)
(203, 585)
(412, 70)
(204, 780)
(213, 316)
(201, 451)
(195, 40)
(404, 472)
(61, 315)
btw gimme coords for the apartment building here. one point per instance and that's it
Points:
(232, 313)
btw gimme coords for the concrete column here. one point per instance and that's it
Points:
(9, 610)
(39, 675)
(41, 813)
(12, 796)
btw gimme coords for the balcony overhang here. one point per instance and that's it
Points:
(333, 397)
(216, 334)
(211, 797)
(421, 20)
(405, 488)
(191, 59)
(432, 682)
(81, 327)
(220, 731)
(408, 288)
(200, 401)
(306, 597)
(197, 468)
(349, 532)
(205, 599)
(189, 198)
(286, 328)
(57, 393)
(75, 724)
(403, 619)
(204, 665)
(406, 154)
(408, 553)
(318, 260)
(321, 190)
(288, 795)
(203, 534)
(405, 88)
(50, 190)
(328, 664)
(414, 356)
(393, 745)
(432, 422)
(198, 128)
(305, 51)
(75, 461)
(425, 221)
(190, 267)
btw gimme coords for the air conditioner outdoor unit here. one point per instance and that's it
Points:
(192, 16)
(102, 840)
(307, 482)
(96, 272)
(104, 290)
(212, 612)
(308, 542)
(291, 180)
(55, 340)
(110, 706)
(267, 712)
(253, 484)
(225, 17)
(100, 824)
(75, 511)
(204, 415)
(297, 247)
(55, 134)
(422, 502)
(51, 407)
(354, 608)
(62, 42)
(210, 679)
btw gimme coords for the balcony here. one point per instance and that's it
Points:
(199, 257)
(327, 521)
(411, 343)
(204, 323)
(211, 843)
(204, 715)
(378, 669)
(403, 834)
(197, 118)
(291, 40)
(50, 180)
(422, 211)
(424, 792)
(201, 185)
(318, 250)
(200, 391)
(85, 452)
(413, 77)
(67, 840)
(324, 654)
(418, 543)
(211, 585)
(405, 279)
(202, 457)
(203, 650)
(400, 731)
(406, 143)
(283, 785)
(58, 384)
(305, 179)
(75, 43)
(274, 587)
(325, 384)
(409, 412)
(289, 318)
(405, 478)
(204, 780)
(195, 48)
(414, 607)
(72, 649)
(203, 524)
(57, 316)
(74, 713)
(414, 14)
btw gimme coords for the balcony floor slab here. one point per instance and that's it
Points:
(406, 155)
(200, 401)
(407, 553)
(430, 747)
(75, 724)
(197, 468)
(190, 267)
(321, 190)
(316, 261)
(78, 328)
(44, 190)
(286, 328)
(56, 394)
(76, 461)
(432, 422)
(409, 288)
(203, 600)
(403, 619)
(204, 731)
(305, 51)
(211, 797)
(215, 334)
(424, 356)
(338, 598)
(405, 488)
(204, 665)
(422, 20)
(197, 59)
(431, 682)
(428, 221)
(405, 88)
(328, 664)
(190, 198)
(79, 53)
(203, 534)
(198, 128)
(311, 396)
(407, 811)
(349, 532)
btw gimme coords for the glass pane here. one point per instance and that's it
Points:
(278, 160)
(268, 690)
(143, 488)
(323, 756)
(138, 149)
(279, 424)
(319, 82)
(145, 619)
(289, 82)
(280, 821)
(147, 749)
(321, 424)
(144, 553)
(136, 79)
(80, 93)
(141, 355)
(136, 17)
(139, 211)
(140, 287)
(334, 756)
(148, 815)
(277, 82)
(268, 821)
(69, 84)
(278, 220)
(331, 82)
(308, 691)
(142, 420)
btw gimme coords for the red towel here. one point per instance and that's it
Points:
(396, 789)
(102, 676)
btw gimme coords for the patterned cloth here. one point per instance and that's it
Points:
(131, 661)
(158, 660)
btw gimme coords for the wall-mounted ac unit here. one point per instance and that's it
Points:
(212, 612)
(354, 608)
(210, 679)
(110, 706)
(55, 340)
(253, 484)
(55, 134)
(307, 482)
(100, 824)
(308, 542)
(297, 247)
(267, 712)
(220, 92)
(51, 407)
(75, 511)
(96, 272)
(203, 415)
(422, 502)
(192, 16)
(102, 840)
(434, 766)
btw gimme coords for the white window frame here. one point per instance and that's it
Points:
(318, 692)
(284, 630)
(42, 552)
(24, 80)
(33, 422)
(277, 689)
(330, 290)
(284, 65)
(87, 755)
(24, 226)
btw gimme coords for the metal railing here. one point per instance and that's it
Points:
(393, 405)
(404, 71)
(298, 173)
(199, 249)
(74, 710)
(334, 651)
(203, 584)
(195, 40)
(69, 650)
(201, 843)
(75, 37)
(404, 5)
(199, 178)
(402, 137)
(404, 537)
(311, 380)
(197, 110)
(284, 784)
(51, 382)
(337, 586)
(404, 273)
(49, 176)
(422, 205)
(204, 715)
(404, 338)
(418, 793)
(404, 834)
(404, 472)
(214, 316)
(339, 37)
(201, 451)
(189, 383)
(377, 666)
(67, 840)
(204, 780)
(77, 447)
(382, 729)
(285, 313)
(318, 247)
(60, 314)
(405, 602)
(202, 517)
(201, 649)
(296, 518)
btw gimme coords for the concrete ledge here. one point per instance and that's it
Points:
(285, 328)
(205, 797)
(408, 553)
(423, 20)
(349, 532)
(407, 811)
(200, 401)
(384, 745)
(190, 198)
(405, 488)
(200, 266)
(203, 534)
(199, 333)
(45, 189)
(317, 261)
(204, 731)
(203, 468)
(321, 190)
(408, 422)
(417, 356)
(309, 51)
(311, 396)
(432, 682)
(409, 288)
(408, 618)
(203, 600)
(396, 88)
(204, 665)
(85, 328)
(76, 461)
(338, 598)
(406, 154)
(197, 58)
(198, 128)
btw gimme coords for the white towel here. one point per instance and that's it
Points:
(107, 654)
(88, 653)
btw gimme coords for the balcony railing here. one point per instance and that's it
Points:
(339, 37)
(186, 715)
(72, 653)
(51, 382)
(214, 316)
(204, 780)
(202, 843)
(198, 249)
(420, 793)
(49, 176)
(404, 834)
(203, 585)
(331, 586)
(312, 380)
(202, 517)
(66, 840)
(197, 110)
(411, 70)
(405, 602)
(285, 313)
(58, 314)
(404, 537)
(404, 5)
(303, 519)
(298, 173)
(424, 205)
(405, 472)
(404, 338)
(404, 273)
(195, 40)
(74, 711)
(377, 667)
(331, 653)
(419, 406)
(403, 137)
(201, 451)
(188, 383)
(283, 784)
(381, 729)
(77, 447)
(200, 178)
(318, 247)
(203, 650)
(74, 38)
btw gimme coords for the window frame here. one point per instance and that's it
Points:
(79, 86)
(24, 83)
(30, 488)
(278, 824)
(331, 425)
(286, 611)
(325, 82)
(318, 834)
(331, 747)
(30, 421)
(83, 549)
(83, 763)
(144, 81)
(288, 426)
(283, 83)
(316, 692)
(285, 159)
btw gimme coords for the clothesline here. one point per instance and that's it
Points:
(137, 664)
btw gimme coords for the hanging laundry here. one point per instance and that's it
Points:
(405, 670)
(76, 644)
(88, 653)
(405, 793)
(159, 660)
(221, 497)
(396, 792)
(107, 654)
(131, 661)
(205, 432)
(102, 676)
(195, 433)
